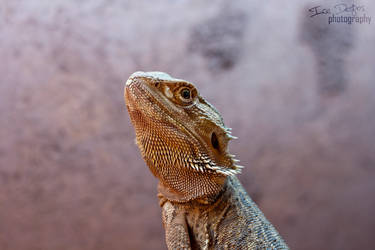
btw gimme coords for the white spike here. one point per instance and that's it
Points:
(226, 172)
(212, 167)
(194, 167)
(222, 172)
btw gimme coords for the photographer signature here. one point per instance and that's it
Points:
(337, 9)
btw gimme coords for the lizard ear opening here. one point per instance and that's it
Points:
(214, 141)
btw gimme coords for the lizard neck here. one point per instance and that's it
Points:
(204, 198)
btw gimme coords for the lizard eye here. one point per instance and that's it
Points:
(185, 93)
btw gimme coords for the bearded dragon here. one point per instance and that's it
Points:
(184, 141)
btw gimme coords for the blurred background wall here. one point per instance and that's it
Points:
(299, 93)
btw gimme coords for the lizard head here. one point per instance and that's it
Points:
(181, 136)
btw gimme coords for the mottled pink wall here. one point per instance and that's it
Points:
(299, 93)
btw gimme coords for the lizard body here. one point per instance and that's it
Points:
(184, 141)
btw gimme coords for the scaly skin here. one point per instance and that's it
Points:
(184, 142)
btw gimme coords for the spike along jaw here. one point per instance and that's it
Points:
(181, 137)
